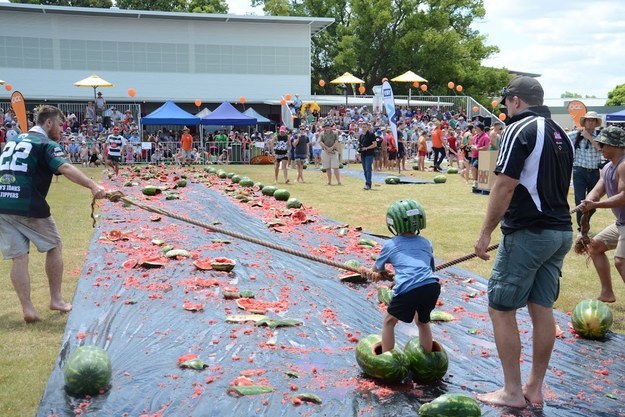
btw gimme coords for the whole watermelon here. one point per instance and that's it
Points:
(451, 405)
(440, 179)
(388, 366)
(591, 319)
(452, 170)
(88, 371)
(281, 194)
(246, 182)
(269, 190)
(426, 367)
(293, 203)
(391, 179)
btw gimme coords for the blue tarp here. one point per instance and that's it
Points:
(619, 116)
(225, 114)
(170, 114)
(260, 120)
(139, 316)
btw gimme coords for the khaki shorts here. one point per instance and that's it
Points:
(613, 237)
(528, 268)
(330, 160)
(17, 232)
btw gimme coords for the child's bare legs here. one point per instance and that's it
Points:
(388, 332)
(425, 335)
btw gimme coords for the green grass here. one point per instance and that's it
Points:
(454, 217)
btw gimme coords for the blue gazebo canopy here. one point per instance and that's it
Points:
(170, 114)
(226, 114)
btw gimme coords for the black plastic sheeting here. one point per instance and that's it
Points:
(137, 315)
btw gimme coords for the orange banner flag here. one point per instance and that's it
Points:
(19, 107)
(576, 109)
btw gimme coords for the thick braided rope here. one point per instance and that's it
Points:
(116, 196)
(463, 258)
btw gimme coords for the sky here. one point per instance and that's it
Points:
(576, 45)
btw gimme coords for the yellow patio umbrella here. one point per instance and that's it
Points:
(347, 78)
(409, 77)
(93, 81)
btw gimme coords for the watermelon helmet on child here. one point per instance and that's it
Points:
(405, 216)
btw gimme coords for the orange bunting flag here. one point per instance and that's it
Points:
(576, 109)
(19, 107)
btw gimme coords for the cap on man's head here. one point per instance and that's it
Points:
(613, 136)
(99, 93)
(185, 128)
(328, 123)
(479, 125)
(590, 115)
(524, 87)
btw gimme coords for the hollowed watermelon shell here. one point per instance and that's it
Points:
(426, 366)
(114, 235)
(203, 264)
(223, 264)
(388, 366)
(451, 405)
(130, 263)
(88, 371)
(591, 319)
(152, 262)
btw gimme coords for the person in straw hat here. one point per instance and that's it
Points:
(587, 160)
(612, 183)
(186, 144)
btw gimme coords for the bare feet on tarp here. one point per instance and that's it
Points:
(533, 396)
(502, 398)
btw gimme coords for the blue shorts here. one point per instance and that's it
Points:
(300, 156)
(528, 268)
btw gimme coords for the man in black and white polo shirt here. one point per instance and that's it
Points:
(114, 145)
(529, 197)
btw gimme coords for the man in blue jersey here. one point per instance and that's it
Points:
(26, 168)
(529, 198)
(612, 182)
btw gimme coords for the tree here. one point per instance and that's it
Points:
(208, 6)
(568, 94)
(616, 97)
(160, 5)
(103, 4)
(383, 38)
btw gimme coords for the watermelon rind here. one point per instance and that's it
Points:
(223, 264)
(591, 319)
(426, 367)
(385, 294)
(389, 366)
(88, 371)
(451, 405)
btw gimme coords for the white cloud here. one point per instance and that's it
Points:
(576, 45)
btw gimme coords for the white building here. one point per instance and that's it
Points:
(161, 55)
